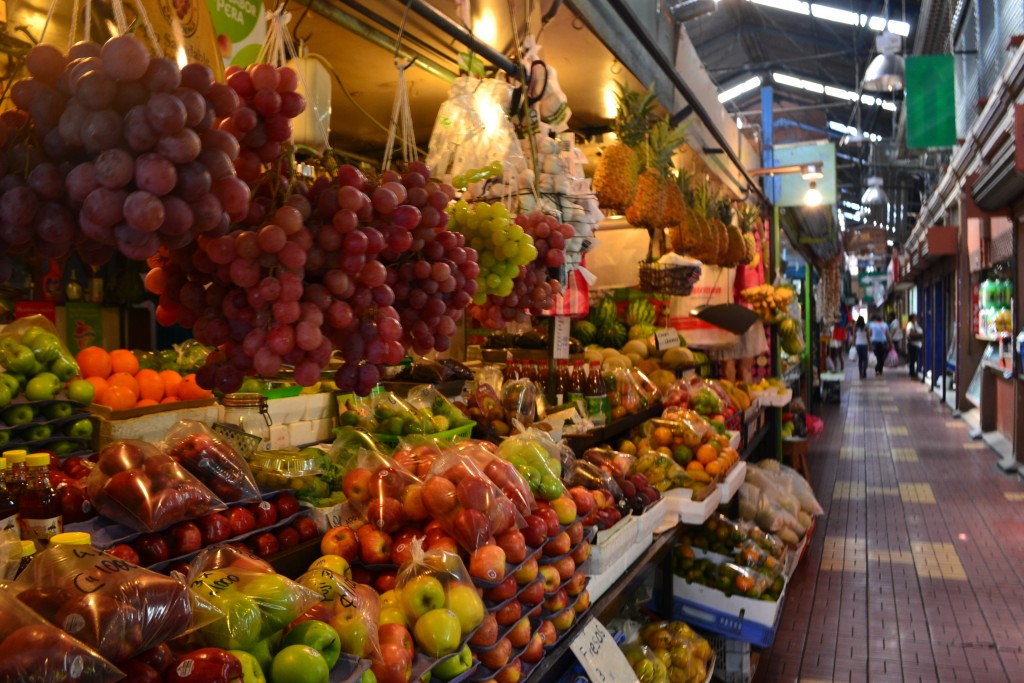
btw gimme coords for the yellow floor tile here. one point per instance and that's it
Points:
(916, 493)
(890, 409)
(851, 453)
(883, 490)
(891, 556)
(904, 455)
(896, 431)
(975, 446)
(849, 490)
(956, 424)
(937, 561)
(1014, 496)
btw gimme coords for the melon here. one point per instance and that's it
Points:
(642, 331)
(614, 334)
(640, 312)
(593, 354)
(662, 379)
(584, 331)
(609, 353)
(677, 358)
(634, 358)
(635, 346)
(616, 362)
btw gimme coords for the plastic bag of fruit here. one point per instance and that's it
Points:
(500, 472)
(661, 471)
(443, 413)
(140, 487)
(688, 654)
(614, 463)
(33, 650)
(353, 609)
(750, 554)
(770, 543)
(377, 488)
(766, 481)
(436, 594)
(649, 391)
(466, 503)
(537, 457)
(109, 604)
(254, 603)
(342, 454)
(591, 477)
(417, 453)
(211, 460)
(791, 481)
(520, 398)
(647, 666)
(10, 554)
(396, 417)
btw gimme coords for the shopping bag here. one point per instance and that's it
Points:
(853, 354)
(892, 359)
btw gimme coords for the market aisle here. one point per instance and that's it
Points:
(916, 570)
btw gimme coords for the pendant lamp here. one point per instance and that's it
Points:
(874, 195)
(885, 72)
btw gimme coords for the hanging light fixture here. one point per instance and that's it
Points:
(884, 73)
(874, 195)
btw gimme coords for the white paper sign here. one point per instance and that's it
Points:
(599, 655)
(561, 337)
(666, 339)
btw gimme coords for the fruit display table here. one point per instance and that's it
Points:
(603, 435)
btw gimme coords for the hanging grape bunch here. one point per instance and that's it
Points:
(532, 288)
(110, 148)
(501, 245)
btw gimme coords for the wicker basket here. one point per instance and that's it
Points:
(668, 279)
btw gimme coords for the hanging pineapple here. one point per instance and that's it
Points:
(686, 232)
(735, 251)
(650, 204)
(675, 199)
(618, 169)
(706, 248)
(749, 217)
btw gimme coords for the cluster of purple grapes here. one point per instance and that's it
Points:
(533, 289)
(110, 148)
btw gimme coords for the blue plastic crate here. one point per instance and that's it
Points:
(728, 625)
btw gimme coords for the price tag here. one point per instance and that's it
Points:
(561, 337)
(601, 658)
(666, 338)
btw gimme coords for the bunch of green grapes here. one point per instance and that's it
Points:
(502, 246)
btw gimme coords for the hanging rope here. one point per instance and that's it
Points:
(150, 33)
(401, 117)
(74, 23)
(49, 16)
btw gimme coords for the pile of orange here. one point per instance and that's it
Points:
(714, 456)
(121, 385)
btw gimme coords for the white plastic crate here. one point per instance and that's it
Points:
(690, 511)
(610, 546)
(733, 481)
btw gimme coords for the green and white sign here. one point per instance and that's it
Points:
(241, 29)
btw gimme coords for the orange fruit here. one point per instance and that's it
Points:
(123, 379)
(94, 362)
(171, 380)
(151, 386)
(713, 468)
(123, 360)
(146, 402)
(662, 436)
(694, 466)
(188, 390)
(170, 399)
(117, 398)
(98, 384)
(705, 454)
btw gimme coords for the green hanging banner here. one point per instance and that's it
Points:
(930, 101)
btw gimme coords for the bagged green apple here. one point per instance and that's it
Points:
(439, 601)
(137, 485)
(376, 489)
(32, 353)
(466, 504)
(353, 609)
(502, 473)
(444, 414)
(255, 604)
(212, 461)
(109, 604)
(396, 418)
(537, 457)
(33, 650)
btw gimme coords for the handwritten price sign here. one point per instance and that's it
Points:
(561, 350)
(599, 655)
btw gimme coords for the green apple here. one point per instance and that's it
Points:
(299, 664)
(212, 583)
(252, 672)
(336, 563)
(420, 595)
(64, 448)
(5, 395)
(318, 635)
(31, 333)
(392, 615)
(391, 598)
(239, 629)
(264, 650)
(11, 381)
(20, 414)
(45, 347)
(58, 410)
(79, 429)
(353, 633)
(467, 605)
(437, 632)
(368, 677)
(279, 598)
(37, 433)
(42, 387)
(65, 368)
(17, 358)
(81, 391)
(454, 666)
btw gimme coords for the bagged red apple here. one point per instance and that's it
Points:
(212, 461)
(140, 487)
(255, 603)
(109, 604)
(376, 488)
(353, 609)
(417, 453)
(501, 473)
(466, 504)
(33, 650)
(439, 601)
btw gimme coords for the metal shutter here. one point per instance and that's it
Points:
(990, 46)
(967, 73)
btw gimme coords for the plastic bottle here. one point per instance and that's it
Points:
(72, 538)
(597, 395)
(561, 381)
(28, 549)
(543, 373)
(577, 381)
(16, 472)
(8, 504)
(39, 508)
(510, 372)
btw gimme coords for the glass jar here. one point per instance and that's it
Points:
(248, 411)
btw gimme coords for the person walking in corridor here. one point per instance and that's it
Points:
(881, 342)
(915, 341)
(860, 340)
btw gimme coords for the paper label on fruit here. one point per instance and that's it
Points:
(76, 668)
(40, 529)
(184, 669)
(597, 651)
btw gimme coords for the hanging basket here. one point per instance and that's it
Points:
(661, 278)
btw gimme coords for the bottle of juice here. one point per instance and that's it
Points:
(8, 504)
(72, 538)
(16, 472)
(39, 505)
(577, 381)
(597, 395)
(543, 369)
(561, 381)
(511, 372)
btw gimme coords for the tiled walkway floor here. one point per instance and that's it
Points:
(916, 571)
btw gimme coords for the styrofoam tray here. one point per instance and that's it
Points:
(600, 583)
(604, 555)
(690, 511)
(651, 520)
(733, 481)
(734, 439)
(774, 399)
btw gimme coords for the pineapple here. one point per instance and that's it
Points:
(618, 169)
(706, 247)
(650, 204)
(748, 216)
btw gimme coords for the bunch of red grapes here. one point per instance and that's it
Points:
(533, 289)
(109, 149)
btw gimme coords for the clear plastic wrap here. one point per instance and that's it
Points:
(212, 461)
(33, 650)
(519, 399)
(770, 487)
(615, 463)
(417, 453)
(10, 554)
(396, 417)
(140, 487)
(352, 608)
(443, 413)
(377, 489)
(466, 503)
(254, 604)
(688, 654)
(440, 602)
(537, 457)
(792, 482)
(109, 604)
(590, 476)
(750, 554)
(500, 472)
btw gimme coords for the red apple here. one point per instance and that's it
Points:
(456, 473)
(527, 572)
(439, 497)
(159, 657)
(288, 538)
(519, 636)
(563, 621)
(446, 543)
(471, 528)
(582, 603)
(548, 632)
(433, 526)
(474, 493)
(387, 482)
(120, 456)
(363, 575)
(566, 568)
(341, 540)
(139, 672)
(558, 545)
(581, 553)
(575, 532)
(514, 545)
(151, 548)
(556, 602)
(375, 547)
(509, 613)
(264, 544)
(584, 499)
(356, 485)
(215, 528)
(401, 547)
(550, 518)
(287, 505)
(487, 633)
(511, 673)
(396, 634)
(125, 552)
(131, 489)
(533, 594)
(503, 515)
(574, 585)
(306, 528)
(534, 650)
(497, 656)
(185, 537)
(265, 513)
(240, 520)
(394, 664)
(551, 578)
(488, 563)
(385, 581)
(503, 591)
(565, 508)
(412, 503)
(386, 514)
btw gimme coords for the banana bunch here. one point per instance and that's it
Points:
(769, 302)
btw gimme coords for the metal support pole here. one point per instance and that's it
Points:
(441, 21)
